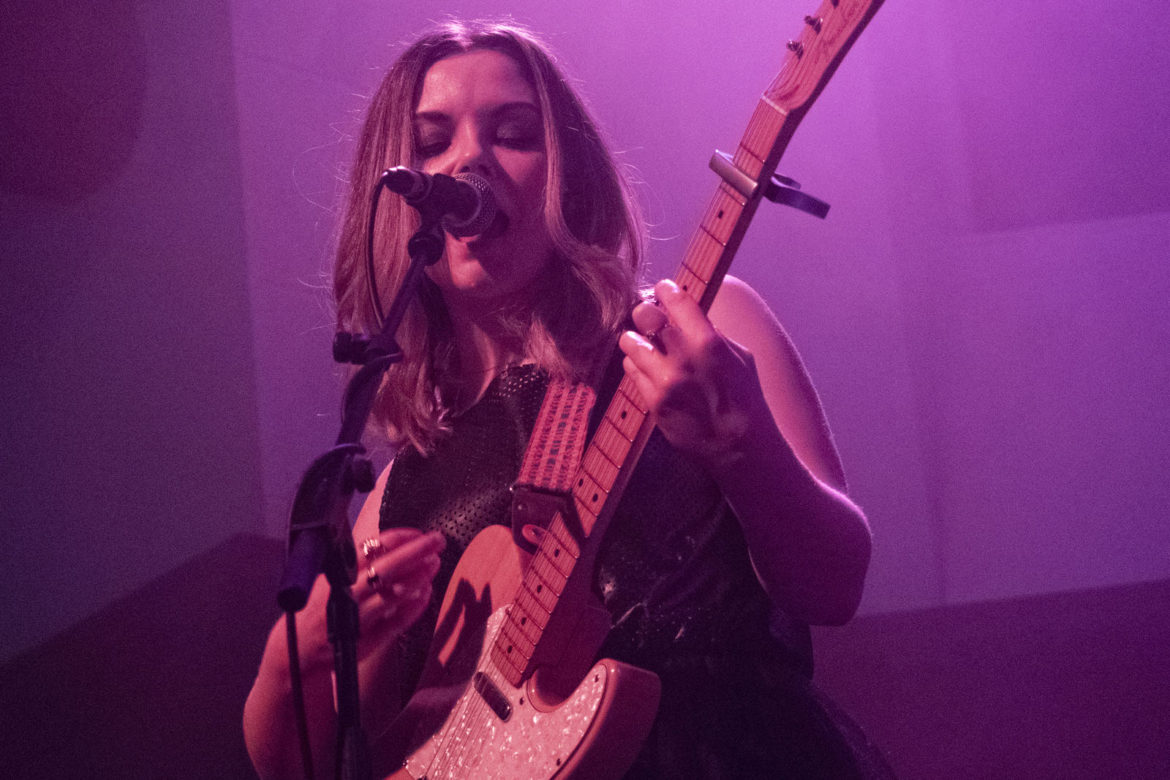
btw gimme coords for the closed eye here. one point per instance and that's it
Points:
(510, 125)
(518, 126)
(427, 148)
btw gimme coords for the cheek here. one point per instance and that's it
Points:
(528, 174)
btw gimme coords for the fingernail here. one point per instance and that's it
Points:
(667, 287)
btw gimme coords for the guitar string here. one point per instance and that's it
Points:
(442, 763)
(478, 712)
(473, 712)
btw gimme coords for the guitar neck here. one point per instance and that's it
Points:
(626, 425)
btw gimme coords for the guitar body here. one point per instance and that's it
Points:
(467, 721)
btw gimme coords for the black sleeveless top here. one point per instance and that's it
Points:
(675, 576)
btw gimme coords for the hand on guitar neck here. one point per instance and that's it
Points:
(731, 391)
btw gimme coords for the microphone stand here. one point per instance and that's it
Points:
(320, 539)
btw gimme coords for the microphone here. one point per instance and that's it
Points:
(465, 201)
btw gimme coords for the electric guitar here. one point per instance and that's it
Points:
(510, 688)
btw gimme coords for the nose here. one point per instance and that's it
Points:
(473, 154)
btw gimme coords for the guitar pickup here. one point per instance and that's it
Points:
(491, 694)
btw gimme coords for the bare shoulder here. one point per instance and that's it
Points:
(366, 524)
(740, 314)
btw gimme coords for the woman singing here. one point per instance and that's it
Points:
(734, 533)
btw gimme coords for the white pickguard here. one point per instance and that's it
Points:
(475, 744)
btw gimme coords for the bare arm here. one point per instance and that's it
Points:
(735, 394)
(405, 571)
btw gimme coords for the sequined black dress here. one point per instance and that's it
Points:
(674, 573)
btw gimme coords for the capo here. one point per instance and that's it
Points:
(779, 189)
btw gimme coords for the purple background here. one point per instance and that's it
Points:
(984, 312)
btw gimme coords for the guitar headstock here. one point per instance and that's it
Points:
(815, 53)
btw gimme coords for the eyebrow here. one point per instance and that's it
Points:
(503, 108)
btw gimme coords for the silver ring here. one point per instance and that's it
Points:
(371, 548)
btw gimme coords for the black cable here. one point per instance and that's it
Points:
(371, 281)
(298, 692)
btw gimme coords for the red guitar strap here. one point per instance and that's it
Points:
(551, 460)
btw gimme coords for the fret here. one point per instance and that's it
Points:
(722, 222)
(550, 578)
(512, 667)
(530, 625)
(589, 493)
(691, 284)
(701, 276)
(611, 443)
(731, 198)
(603, 470)
(560, 537)
(725, 208)
(705, 251)
(549, 554)
(519, 637)
(629, 390)
(585, 514)
(711, 253)
(515, 639)
(542, 595)
(624, 416)
(529, 615)
(703, 267)
(531, 607)
(760, 137)
(526, 625)
(765, 100)
(555, 568)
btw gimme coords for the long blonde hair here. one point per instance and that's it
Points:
(589, 214)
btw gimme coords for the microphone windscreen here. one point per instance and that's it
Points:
(482, 217)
